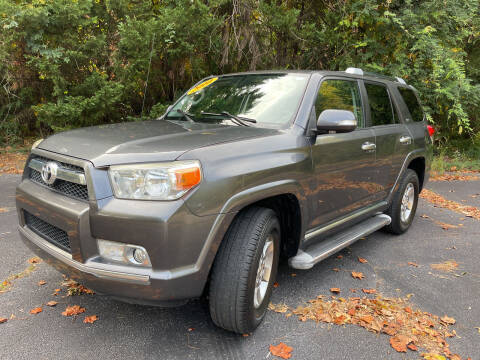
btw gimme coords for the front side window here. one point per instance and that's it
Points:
(271, 100)
(412, 103)
(340, 95)
(381, 111)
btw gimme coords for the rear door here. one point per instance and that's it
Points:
(393, 139)
(343, 172)
(415, 118)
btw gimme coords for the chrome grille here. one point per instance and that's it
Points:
(47, 231)
(71, 189)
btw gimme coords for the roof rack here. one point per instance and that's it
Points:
(358, 71)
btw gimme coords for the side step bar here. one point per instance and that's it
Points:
(305, 259)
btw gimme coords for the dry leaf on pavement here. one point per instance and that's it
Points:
(279, 308)
(51, 303)
(41, 282)
(90, 319)
(411, 263)
(36, 310)
(357, 275)
(281, 350)
(73, 310)
(446, 266)
(3, 320)
(335, 290)
(34, 260)
(362, 260)
(369, 291)
(447, 320)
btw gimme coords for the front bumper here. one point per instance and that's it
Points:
(180, 244)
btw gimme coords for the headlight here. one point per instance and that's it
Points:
(160, 181)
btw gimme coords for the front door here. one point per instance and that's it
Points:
(343, 163)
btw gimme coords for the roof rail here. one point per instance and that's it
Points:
(355, 71)
(358, 71)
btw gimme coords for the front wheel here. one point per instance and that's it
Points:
(404, 203)
(244, 271)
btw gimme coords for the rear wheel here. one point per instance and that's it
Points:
(404, 203)
(244, 271)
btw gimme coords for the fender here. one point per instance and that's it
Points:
(230, 209)
(408, 159)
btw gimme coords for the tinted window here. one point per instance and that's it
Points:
(271, 99)
(380, 105)
(340, 95)
(412, 104)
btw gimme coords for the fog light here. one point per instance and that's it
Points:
(139, 256)
(124, 253)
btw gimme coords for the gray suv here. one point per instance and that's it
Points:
(242, 171)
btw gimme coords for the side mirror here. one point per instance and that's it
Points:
(336, 120)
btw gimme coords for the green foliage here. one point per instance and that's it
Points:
(71, 63)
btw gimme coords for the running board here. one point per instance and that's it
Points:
(305, 259)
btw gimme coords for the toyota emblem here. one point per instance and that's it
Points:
(49, 172)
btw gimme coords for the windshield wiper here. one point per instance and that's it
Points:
(187, 116)
(238, 119)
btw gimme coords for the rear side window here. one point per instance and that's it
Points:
(340, 95)
(412, 103)
(381, 111)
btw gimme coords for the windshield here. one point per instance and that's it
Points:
(269, 99)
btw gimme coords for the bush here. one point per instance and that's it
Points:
(65, 64)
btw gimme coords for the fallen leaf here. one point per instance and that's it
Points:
(3, 320)
(279, 308)
(432, 356)
(446, 266)
(339, 256)
(412, 347)
(41, 282)
(357, 275)
(93, 318)
(335, 290)
(353, 290)
(34, 260)
(399, 343)
(2, 210)
(36, 310)
(281, 350)
(73, 310)
(478, 328)
(336, 269)
(293, 275)
(275, 284)
(51, 303)
(411, 263)
(362, 260)
(369, 291)
(447, 320)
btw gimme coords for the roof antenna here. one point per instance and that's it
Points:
(148, 73)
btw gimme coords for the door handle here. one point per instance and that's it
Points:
(368, 146)
(405, 140)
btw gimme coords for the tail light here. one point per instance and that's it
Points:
(431, 130)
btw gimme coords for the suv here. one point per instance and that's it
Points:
(244, 169)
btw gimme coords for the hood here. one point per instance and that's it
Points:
(146, 141)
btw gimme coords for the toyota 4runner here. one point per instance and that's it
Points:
(244, 169)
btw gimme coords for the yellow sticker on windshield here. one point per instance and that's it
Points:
(202, 85)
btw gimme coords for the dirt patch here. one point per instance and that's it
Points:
(12, 163)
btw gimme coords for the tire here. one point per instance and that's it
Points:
(234, 273)
(401, 222)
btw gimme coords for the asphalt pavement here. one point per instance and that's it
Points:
(141, 332)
